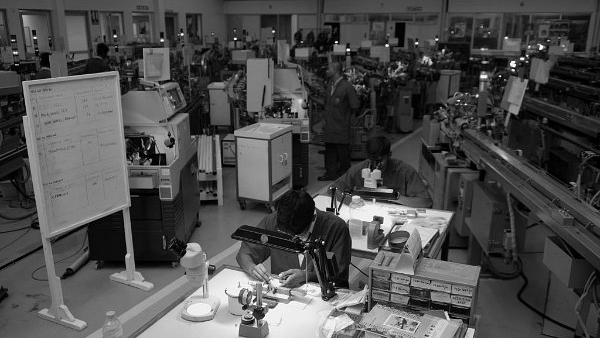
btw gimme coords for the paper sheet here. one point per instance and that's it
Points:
(153, 63)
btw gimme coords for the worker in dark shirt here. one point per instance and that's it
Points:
(394, 174)
(98, 63)
(44, 71)
(296, 215)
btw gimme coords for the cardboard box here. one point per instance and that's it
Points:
(565, 263)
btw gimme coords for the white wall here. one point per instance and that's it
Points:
(213, 18)
(307, 22)
(508, 6)
(251, 23)
(271, 7)
(382, 6)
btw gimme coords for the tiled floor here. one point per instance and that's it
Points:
(89, 293)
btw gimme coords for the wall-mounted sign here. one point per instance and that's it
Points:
(414, 8)
(142, 7)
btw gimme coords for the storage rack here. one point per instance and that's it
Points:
(436, 285)
(210, 171)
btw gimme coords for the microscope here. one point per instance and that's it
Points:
(193, 259)
(373, 187)
(252, 323)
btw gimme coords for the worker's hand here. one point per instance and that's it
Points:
(292, 278)
(260, 272)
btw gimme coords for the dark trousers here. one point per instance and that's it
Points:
(337, 159)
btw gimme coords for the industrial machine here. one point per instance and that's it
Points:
(289, 106)
(162, 163)
(12, 146)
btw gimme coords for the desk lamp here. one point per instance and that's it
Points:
(325, 264)
(197, 308)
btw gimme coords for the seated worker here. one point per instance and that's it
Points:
(296, 215)
(44, 71)
(395, 174)
(98, 63)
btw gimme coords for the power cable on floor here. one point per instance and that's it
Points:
(359, 270)
(21, 191)
(32, 251)
(505, 275)
(15, 240)
(17, 218)
(13, 230)
(61, 260)
(530, 307)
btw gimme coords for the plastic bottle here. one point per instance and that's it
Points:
(354, 222)
(112, 326)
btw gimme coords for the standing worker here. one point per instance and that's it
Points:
(44, 71)
(341, 104)
(98, 63)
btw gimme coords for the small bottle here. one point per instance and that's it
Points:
(112, 326)
(354, 221)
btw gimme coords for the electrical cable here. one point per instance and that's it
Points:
(16, 239)
(588, 284)
(539, 313)
(17, 218)
(14, 183)
(61, 260)
(14, 230)
(502, 274)
(359, 270)
(32, 251)
(27, 172)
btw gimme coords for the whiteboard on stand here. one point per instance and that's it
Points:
(76, 147)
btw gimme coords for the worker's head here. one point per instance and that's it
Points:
(45, 59)
(378, 151)
(295, 212)
(335, 69)
(101, 50)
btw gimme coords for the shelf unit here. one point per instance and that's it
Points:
(435, 285)
(209, 156)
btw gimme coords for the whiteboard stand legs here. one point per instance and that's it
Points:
(64, 317)
(58, 311)
(131, 277)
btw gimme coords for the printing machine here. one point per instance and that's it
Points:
(12, 146)
(162, 163)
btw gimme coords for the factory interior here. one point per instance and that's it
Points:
(128, 193)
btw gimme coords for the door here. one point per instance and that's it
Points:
(36, 24)
(77, 36)
(281, 157)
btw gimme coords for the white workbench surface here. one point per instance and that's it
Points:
(295, 321)
(359, 243)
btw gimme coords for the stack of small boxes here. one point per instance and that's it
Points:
(435, 285)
